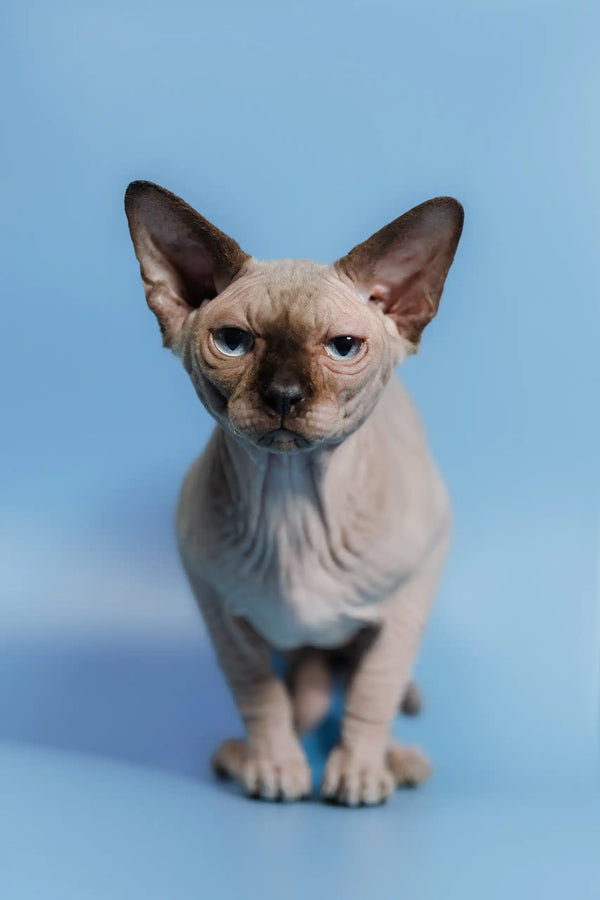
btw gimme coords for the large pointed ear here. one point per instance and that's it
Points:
(402, 268)
(184, 260)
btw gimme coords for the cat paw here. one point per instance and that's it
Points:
(263, 776)
(356, 781)
(408, 765)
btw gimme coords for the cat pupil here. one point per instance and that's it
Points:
(343, 345)
(233, 337)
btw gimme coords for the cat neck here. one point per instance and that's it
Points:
(326, 471)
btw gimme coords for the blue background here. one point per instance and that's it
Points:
(299, 129)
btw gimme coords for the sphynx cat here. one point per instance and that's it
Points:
(315, 522)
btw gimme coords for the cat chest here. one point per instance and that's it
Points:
(295, 589)
(313, 610)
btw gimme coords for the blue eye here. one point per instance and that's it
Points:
(232, 341)
(343, 347)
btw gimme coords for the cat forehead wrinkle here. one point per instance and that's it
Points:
(292, 282)
(310, 296)
(264, 289)
(292, 298)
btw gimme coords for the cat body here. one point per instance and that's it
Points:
(315, 522)
(306, 550)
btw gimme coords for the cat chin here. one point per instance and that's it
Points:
(281, 440)
(284, 441)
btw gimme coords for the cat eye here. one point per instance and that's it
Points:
(343, 347)
(232, 341)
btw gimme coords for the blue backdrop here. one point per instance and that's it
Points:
(300, 129)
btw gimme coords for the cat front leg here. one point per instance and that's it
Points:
(367, 764)
(270, 762)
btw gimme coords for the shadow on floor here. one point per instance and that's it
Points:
(165, 704)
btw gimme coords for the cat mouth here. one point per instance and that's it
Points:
(282, 439)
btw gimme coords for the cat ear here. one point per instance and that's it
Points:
(402, 268)
(184, 259)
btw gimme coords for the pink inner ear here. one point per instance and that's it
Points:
(195, 268)
(410, 298)
(401, 286)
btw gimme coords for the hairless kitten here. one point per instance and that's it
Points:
(315, 522)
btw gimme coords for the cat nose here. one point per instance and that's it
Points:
(281, 398)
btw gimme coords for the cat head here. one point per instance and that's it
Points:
(289, 354)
